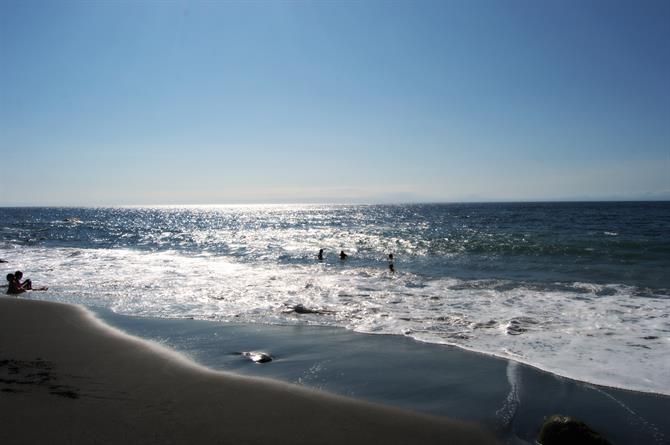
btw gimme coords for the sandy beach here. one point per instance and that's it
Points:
(67, 378)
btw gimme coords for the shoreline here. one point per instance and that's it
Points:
(548, 371)
(488, 355)
(69, 378)
(509, 397)
(458, 347)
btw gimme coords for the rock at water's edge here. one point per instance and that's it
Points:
(559, 429)
(257, 356)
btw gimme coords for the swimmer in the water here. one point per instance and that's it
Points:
(343, 256)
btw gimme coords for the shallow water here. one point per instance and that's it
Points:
(581, 290)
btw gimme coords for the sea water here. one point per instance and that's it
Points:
(578, 289)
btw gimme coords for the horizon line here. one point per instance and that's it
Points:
(313, 203)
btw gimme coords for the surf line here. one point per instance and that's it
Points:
(508, 410)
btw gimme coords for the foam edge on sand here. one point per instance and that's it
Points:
(66, 377)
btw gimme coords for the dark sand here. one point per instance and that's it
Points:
(65, 378)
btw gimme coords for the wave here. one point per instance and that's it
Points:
(609, 334)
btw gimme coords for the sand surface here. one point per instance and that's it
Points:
(67, 378)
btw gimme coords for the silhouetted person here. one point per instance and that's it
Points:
(26, 285)
(13, 286)
(320, 254)
(391, 266)
(343, 256)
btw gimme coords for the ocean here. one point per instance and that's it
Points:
(581, 290)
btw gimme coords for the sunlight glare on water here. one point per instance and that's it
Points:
(542, 284)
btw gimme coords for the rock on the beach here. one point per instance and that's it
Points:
(300, 309)
(257, 357)
(559, 429)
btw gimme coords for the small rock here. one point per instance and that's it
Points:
(257, 357)
(300, 309)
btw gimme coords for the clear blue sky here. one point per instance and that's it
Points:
(123, 102)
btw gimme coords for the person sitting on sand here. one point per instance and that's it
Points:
(343, 256)
(14, 287)
(26, 285)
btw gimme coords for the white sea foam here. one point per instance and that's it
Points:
(603, 334)
(507, 412)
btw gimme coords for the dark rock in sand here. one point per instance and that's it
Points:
(300, 309)
(257, 357)
(560, 430)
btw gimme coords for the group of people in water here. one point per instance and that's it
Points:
(15, 286)
(344, 256)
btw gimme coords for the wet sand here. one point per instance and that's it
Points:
(67, 378)
(508, 397)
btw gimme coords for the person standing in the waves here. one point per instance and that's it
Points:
(391, 266)
(320, 255)
(343, 256)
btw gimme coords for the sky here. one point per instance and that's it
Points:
(210, 102)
